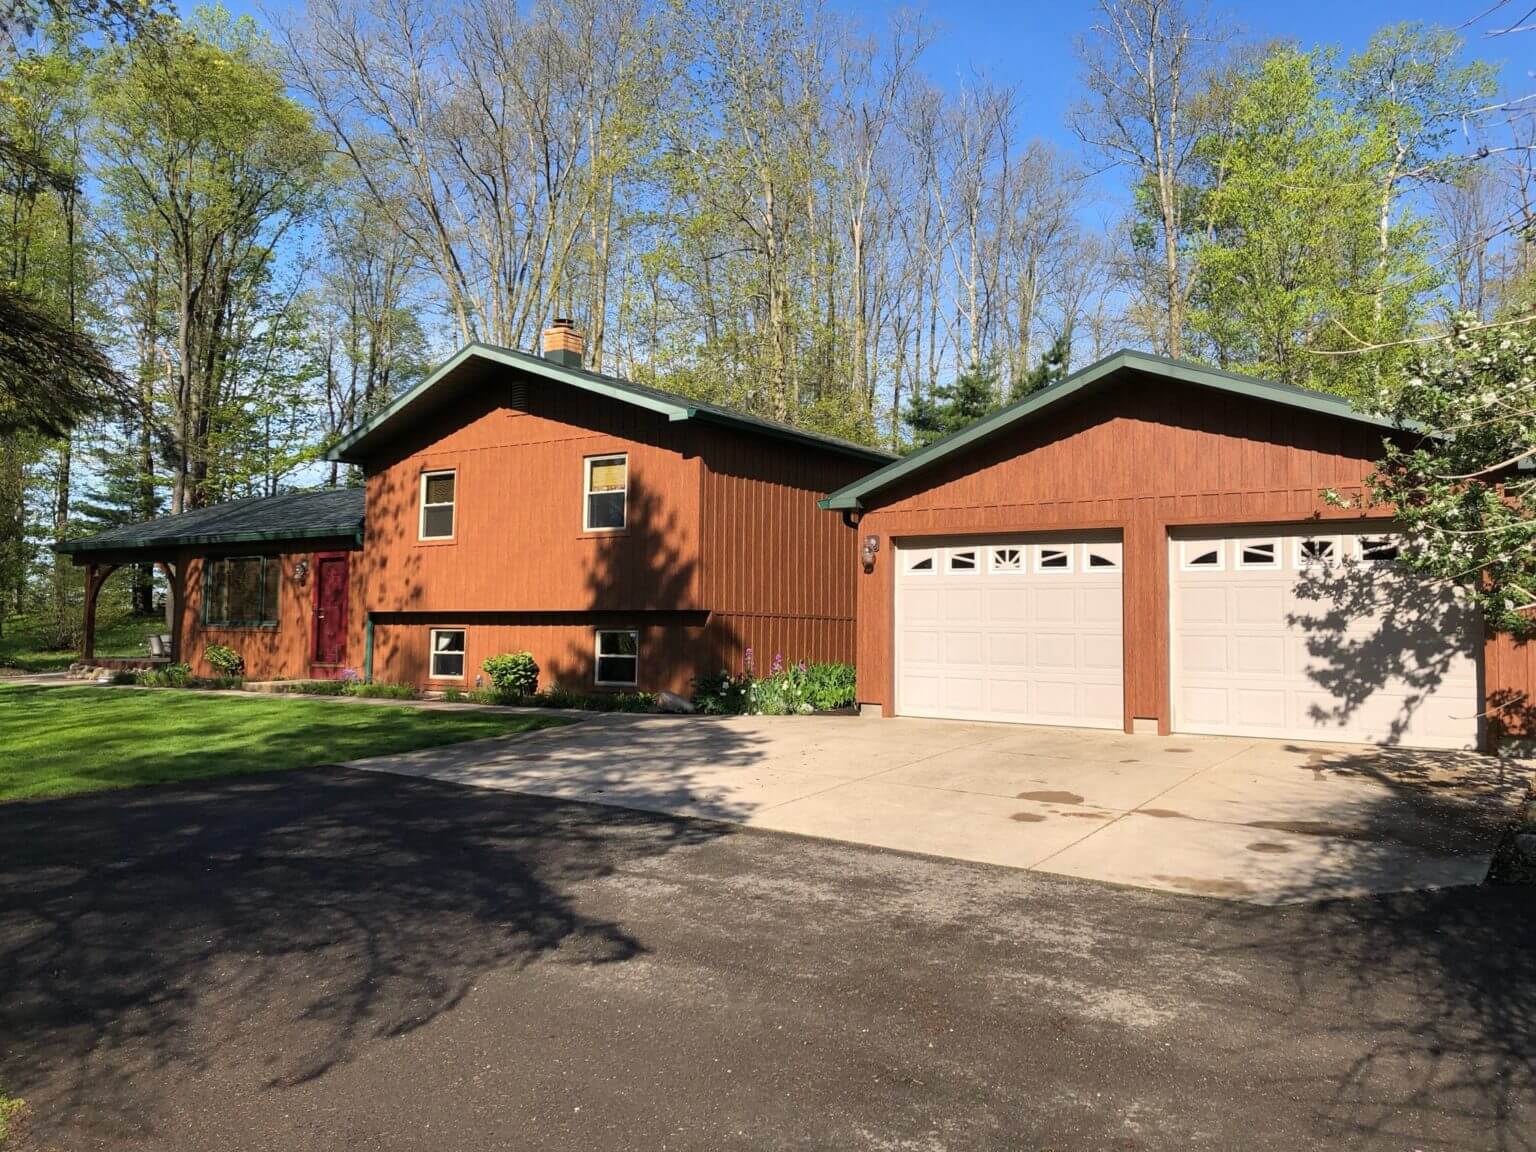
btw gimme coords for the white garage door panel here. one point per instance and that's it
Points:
(1009, 634)
(1349, 650)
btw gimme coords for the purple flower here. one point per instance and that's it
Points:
(350, 675)
(778, 663)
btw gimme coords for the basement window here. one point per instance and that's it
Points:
(447, 654)
(605, 494)
(963, 561)
(1258, 554)
(1053, 559)
(438, 502)
(617, 661)
(1200, 555)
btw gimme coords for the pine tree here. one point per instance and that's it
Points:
(948, 408)
(1051, 369)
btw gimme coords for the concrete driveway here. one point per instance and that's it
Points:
(1268, 822)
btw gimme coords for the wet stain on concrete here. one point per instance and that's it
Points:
(1089, 815)
(1160, 813)
(1269, 847)
(1027, 817)
(1317, 828)
(1206, 885)
(1052, 797)
(1178, 749)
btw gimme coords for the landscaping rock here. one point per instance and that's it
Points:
(672, 702)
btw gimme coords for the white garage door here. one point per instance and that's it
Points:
(1297, 633)
(1023, 629)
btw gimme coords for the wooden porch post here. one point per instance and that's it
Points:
(95, 577)
(173, 578)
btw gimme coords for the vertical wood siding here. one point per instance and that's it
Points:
(1144, 456)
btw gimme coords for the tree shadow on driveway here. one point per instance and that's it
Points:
(1434, 994)
(284, 922)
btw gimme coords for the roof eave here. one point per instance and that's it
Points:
(84, 546)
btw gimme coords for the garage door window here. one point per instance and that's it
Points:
(1053, 559)
(963, 560)
(1101, 557)
(1258, 554)
(1009, 559)
(919, 562)
(1200, 555)
(1316, 552)
(1377, 549)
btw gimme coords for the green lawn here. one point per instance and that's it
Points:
(59, 741)
(21, 641)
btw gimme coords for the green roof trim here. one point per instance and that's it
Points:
(354, 446)
(851, 497)
(332, 513)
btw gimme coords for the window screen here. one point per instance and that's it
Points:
(607, 487)
(241, 591)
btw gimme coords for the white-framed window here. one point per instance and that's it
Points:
(1102, 557)
(962, 560)
(1006, 558)
(616, 657)
(447, 654)
(1050, 558)
(921, 563)
(439, 496)
(1316, 552)
(1377, 549)
(1200, 555)
(1258, 554)
(605, 493)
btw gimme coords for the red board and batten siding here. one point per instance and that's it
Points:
(725, 548)
(1144, 456)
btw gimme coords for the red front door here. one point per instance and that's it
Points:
(331, 610)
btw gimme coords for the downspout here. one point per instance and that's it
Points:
(368, 649)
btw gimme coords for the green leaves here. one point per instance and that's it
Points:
(1462, 488)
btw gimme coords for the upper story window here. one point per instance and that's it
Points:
(439, 491)
(241, 591)
(606, 493)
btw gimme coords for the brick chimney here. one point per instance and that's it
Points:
(563, 343)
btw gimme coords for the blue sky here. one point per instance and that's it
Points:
(1030, 43)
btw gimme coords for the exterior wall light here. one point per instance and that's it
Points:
(867, 554)
(300, 571)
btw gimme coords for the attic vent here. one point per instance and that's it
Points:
(517, 395)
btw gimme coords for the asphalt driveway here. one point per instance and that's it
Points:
(336, 959)
(1262, 821)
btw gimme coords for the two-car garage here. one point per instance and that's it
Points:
(1161, 547)
(1287, 632)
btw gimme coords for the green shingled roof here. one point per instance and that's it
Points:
(356, 445)
(853, 495)
(292, 516)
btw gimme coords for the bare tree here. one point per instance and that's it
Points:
(1143, 64)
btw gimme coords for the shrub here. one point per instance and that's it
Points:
(831, 686)
(224, 660)
(557, 697)
(171, 676)
(123, 676)
(721, 694)
(315, 688)
(453, 695)
(513, 673)
(381, 690)
(786, 690)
